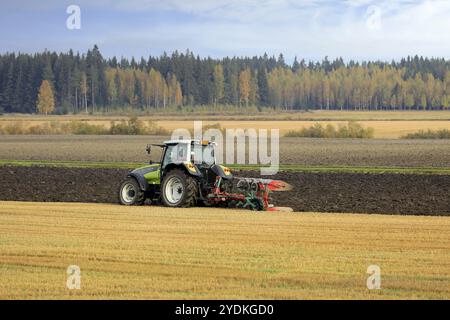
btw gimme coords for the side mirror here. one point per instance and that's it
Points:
(148, 148)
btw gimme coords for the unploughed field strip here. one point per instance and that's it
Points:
(283, 167)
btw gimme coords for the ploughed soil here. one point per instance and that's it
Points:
(321, 192)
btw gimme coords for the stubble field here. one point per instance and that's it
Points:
(282, 115)
(386, 124)
(161, 253)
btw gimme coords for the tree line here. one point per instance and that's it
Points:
(90, 83)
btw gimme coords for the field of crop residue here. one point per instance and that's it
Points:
(386, 125)
(161, 253)
(282, 115)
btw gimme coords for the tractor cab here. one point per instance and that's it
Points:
(197, 158)
(188, 151)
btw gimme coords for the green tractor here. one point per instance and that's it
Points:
(188, 175)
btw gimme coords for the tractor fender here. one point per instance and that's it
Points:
(222, 172)
(143, 184)
(146, 175)
(187, 167)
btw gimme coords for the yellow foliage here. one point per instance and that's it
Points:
(46, 101)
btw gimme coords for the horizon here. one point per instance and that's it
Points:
(275, 56)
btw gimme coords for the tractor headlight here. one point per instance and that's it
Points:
(226, 171)
(191, 167)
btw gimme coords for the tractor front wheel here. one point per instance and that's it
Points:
(130, 193)
(179, 189)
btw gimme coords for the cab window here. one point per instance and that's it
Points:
(175, 154)
(203, 155)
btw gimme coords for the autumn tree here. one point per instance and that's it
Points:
(178, 95)
(171, 87)
(111, 86)
(218, 83)
(46, 102)
(254, 90)
(127, 80)
(244, 86)
(158, 86)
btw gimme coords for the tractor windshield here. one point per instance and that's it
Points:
(176, 154)
(203, 154)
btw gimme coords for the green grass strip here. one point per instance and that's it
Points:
(70, 164)
(353, 169)
(287, 167)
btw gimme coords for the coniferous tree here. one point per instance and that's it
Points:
(263, 87)
(84, 90)
(8, 96)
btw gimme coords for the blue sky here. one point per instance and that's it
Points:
(310, 29)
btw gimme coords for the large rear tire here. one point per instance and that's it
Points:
(179, 189)
(130, 193)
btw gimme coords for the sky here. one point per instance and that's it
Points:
(308, 29)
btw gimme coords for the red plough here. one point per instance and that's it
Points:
(252, 193)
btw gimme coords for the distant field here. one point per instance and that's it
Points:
(161, 253)
(387, 125)
(245, 115)
(293, 151)
(382, 129)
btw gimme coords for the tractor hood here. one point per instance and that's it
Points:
(150, 173)
(146, 169)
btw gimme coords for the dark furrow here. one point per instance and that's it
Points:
(322, 192)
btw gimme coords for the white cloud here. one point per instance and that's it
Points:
(307, 28)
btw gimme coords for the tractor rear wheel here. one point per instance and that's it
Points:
(130, 193)
(179, 189)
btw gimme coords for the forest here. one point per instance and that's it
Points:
(88, 82)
